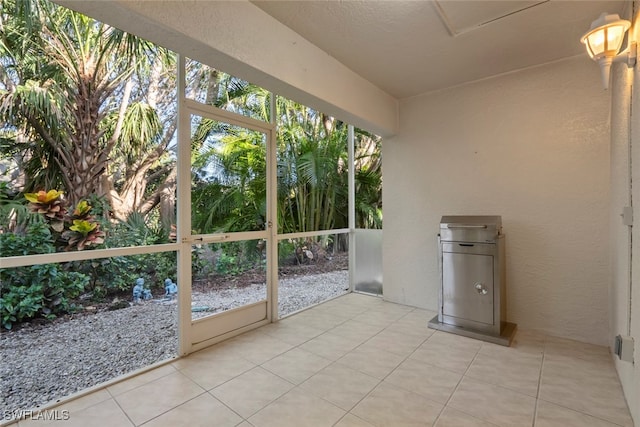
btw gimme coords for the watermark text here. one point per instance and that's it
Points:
(36, 415)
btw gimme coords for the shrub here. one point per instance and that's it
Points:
(228, 265)
(36, 291)
(72, 231)
(116, 275)
(154, 267)
(235, 258)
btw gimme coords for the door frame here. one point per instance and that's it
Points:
(201, 333)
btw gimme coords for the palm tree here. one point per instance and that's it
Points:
(229, 182)
(66, 101)
(312, 169)
(368, 180)
(228, 162)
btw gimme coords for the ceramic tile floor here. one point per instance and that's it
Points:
(357, 361)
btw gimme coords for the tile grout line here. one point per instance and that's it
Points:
(454, 389)
(297, 386)
(176, 370)
(124, 412)
(226, 406)
(446, 405)
(113, 397)
(167, 411)
(540, 399)
(380, 381)
(535, 410)
(388, 324)
(393, 370)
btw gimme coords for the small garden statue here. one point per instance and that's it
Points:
(140, 292)
(171, 289)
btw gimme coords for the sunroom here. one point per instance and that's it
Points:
(485, 108)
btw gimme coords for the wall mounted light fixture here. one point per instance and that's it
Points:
(603, 42)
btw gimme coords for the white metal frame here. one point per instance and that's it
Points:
(200, 333)
(352, 204)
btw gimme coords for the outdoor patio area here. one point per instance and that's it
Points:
(360, 361)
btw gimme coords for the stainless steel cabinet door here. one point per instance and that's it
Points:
(467, 287)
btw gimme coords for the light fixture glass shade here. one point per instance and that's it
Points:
(605, 37)
(603, 42)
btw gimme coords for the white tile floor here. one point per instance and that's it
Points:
(357, 361)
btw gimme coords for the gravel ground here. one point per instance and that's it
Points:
(42, 363)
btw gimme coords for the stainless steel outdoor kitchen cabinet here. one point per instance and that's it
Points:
(472, 295)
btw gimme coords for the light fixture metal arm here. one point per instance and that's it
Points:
(628, 56)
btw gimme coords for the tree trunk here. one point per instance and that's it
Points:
(88, 161)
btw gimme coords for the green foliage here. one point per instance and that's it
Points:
(200, 265)
(37, 291)
(77, 230)
(237, 257)
(48, 290)
(368, 180)
(14, 213)
(229, 168)
(229, 190)
(228, 265)
(85, 107)
(53, 123)
(117, 275)
(82, 226)
(111, 276)
(136, 231)
(286, 251)
(368, 201)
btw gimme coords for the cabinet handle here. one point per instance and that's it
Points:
(480, 288)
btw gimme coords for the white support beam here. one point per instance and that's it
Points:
(352, 205)
(184, 216)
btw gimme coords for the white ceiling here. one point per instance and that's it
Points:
(411, 47)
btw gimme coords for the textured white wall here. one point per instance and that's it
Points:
(532, 146)
(625, 144)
